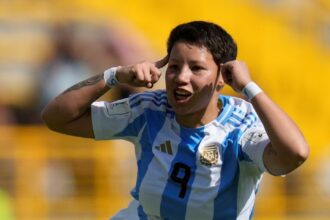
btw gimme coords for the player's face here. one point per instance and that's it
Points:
(191, 78)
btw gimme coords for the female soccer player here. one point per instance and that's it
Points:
(200, 155)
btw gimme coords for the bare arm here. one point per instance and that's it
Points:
(70, 112)
(287, 149)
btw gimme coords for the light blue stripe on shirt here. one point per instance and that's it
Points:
(158, 98)
(176, 195)
(225, 204)
(156, 123)
(141, 213)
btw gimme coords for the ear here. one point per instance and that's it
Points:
(220, 81)
(218, 88)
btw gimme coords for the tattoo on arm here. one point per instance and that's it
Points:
(90, 81)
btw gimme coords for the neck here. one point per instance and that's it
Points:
(202, 117)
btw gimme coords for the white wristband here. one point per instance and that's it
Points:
(110, 77)
(251, 90)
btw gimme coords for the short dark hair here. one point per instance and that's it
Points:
(201, 33)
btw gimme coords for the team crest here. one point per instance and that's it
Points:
(209, 155)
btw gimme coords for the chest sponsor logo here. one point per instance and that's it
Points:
(209, 155)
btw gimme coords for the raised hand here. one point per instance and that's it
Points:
(143, 74)
(236, 74)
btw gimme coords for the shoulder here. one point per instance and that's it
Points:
(238, 112)
(155, 100)
(135, 104)
(237, 103)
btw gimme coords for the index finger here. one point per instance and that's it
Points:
(161, 63)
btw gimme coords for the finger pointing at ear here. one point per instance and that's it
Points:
(161, 63)
(235, 74)
(141, 74)
(155, 70)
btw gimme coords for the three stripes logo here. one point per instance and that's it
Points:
(165, 147)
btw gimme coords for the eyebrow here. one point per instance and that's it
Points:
(173, 59)
(192, 61)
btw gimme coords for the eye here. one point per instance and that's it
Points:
(173, 67)
(197, 68)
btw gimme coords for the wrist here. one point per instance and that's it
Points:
(110, 78)
(250, 90)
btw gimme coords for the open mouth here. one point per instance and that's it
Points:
(182, 95)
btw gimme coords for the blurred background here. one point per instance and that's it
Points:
(46, 46)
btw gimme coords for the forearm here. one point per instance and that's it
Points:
(287, 148)
(286, 139)
(74, 102)
(70, 112)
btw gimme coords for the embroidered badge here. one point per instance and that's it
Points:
(119, 107)
(254, 136)
(209, 155)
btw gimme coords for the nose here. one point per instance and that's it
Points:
(183, 76)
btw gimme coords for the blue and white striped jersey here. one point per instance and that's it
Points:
(210, 172)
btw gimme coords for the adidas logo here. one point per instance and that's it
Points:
(165, 148)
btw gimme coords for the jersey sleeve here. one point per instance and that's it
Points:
(253, 143)
(115, 120)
